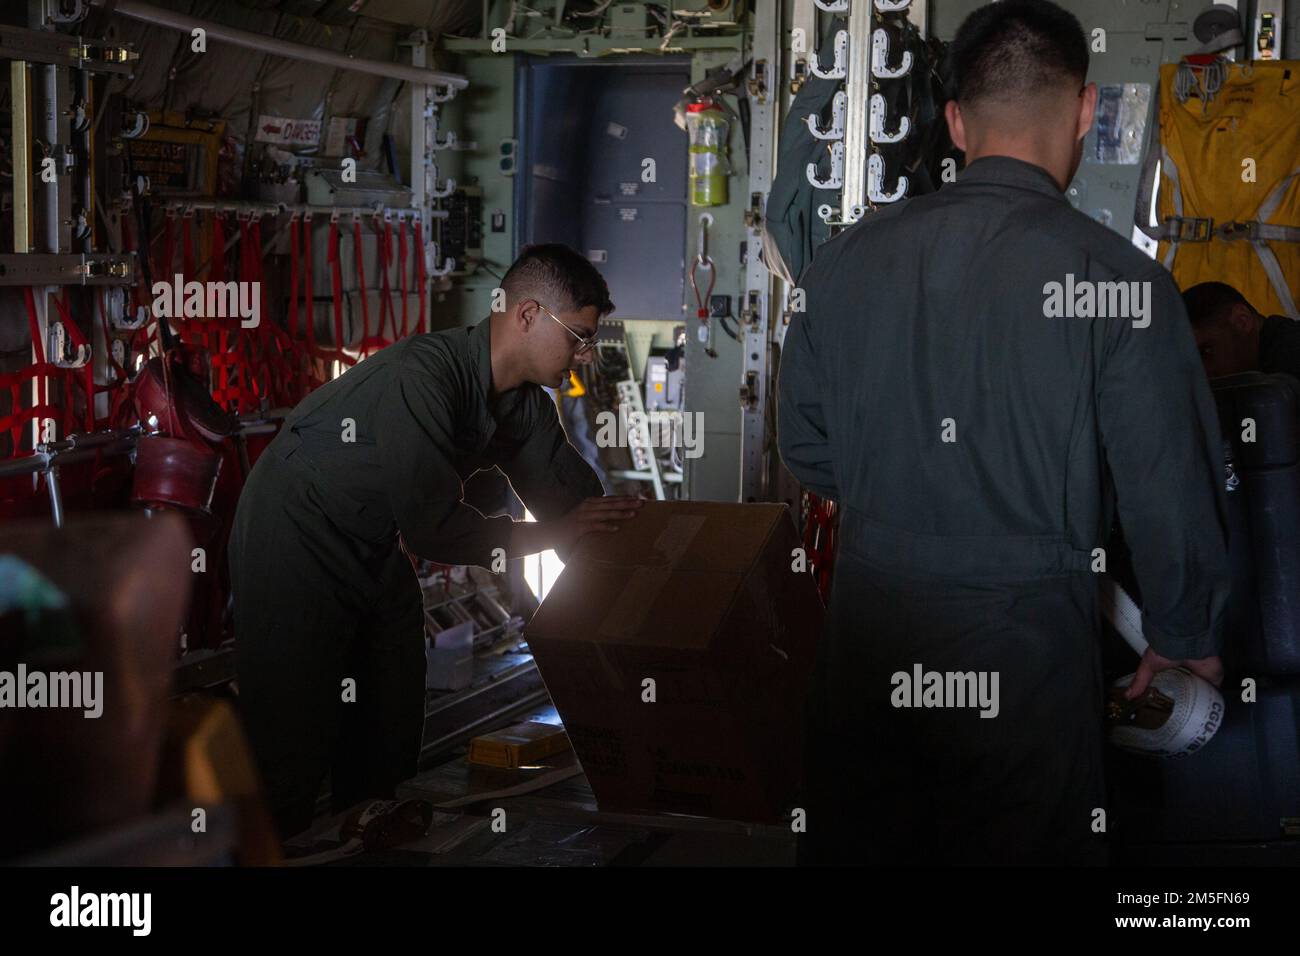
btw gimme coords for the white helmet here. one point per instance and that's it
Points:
(1177, 715)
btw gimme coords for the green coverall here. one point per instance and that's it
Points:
(976, 448)
(322, 591)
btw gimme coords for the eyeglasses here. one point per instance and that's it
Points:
(587, 344)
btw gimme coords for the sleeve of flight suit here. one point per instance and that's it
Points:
(801, 401)
(415, 429)
(1160, 431)
(547, 472)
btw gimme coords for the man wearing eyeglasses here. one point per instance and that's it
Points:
(370, 466)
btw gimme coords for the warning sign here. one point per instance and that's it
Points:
(287, 132)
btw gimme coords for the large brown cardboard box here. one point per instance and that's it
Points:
(702, 599)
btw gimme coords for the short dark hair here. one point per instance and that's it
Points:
(1013, 49)
(1209, 302)
(559, 277)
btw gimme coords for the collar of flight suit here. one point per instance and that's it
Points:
(1007, 171)
(480, 355)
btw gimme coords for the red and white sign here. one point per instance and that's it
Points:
(287, 132)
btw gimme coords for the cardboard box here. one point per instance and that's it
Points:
(519, 745)
(700, 599)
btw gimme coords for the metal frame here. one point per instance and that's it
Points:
(853, 198)
(82, 268)
(765, 88)
(294, 51)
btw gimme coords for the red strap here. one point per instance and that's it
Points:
(401, 269)
(190, 330)
(361, 285)
(263, 382)
(169, 239)
(381, 254)
(386, 260)
(229, 360)
(217, 264)
(336, 284)
(214, 335)
(419, 269)
(187, 248)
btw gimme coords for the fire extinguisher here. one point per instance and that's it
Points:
(707, 126)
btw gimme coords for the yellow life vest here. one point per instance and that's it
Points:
(1229, 198)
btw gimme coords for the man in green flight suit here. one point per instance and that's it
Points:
(322, 588)
(976, 431)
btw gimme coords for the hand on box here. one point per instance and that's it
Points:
(592, 516)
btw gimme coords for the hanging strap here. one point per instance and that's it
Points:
(423, 279)
(336, 286)
(401, 270)
(385, 265)
(187, 247)
(168, 242)
(361, 286)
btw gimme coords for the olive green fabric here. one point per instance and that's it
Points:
(322, 592)
(976, 447)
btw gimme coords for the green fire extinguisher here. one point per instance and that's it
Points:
(706, 125)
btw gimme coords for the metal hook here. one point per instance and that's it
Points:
(880, 58)
(448, 265)
(441, 93)
(59, 349)
(437, 193)
(839, 114)
(837, 70)
(836, 178)
(832, 6)
(876, 178)
(139, 127)
(891, 6)
(115, 309)
(702, 256)
(878, 134)
(141, 320)
(439, 143)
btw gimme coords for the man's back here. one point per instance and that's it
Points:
(968, 410)
(958, 388)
